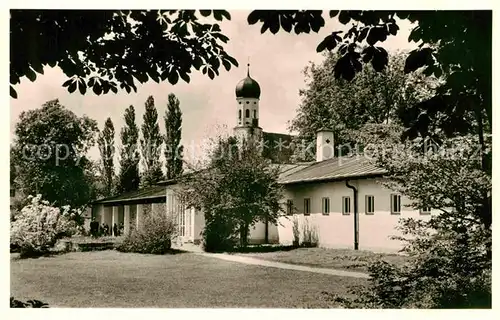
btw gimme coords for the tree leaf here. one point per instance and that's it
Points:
(344, 17)
(30, 74)
(226, 64)
(232, 60)
(417, 59)
(173, 77)
(97, 88)
(253, 17)
(185, 77)
(206, 13)
(380, 59)
(67, 82)
(333, 13)
(72, 87)
(82, 86)
(211, 73)
(393, 28)
(362, 35)
(13, 92)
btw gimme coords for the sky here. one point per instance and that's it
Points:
(276, 63)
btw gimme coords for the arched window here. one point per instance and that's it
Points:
(247, 113)
(255, 114)
(239, 114)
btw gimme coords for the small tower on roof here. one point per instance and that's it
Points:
(247, 112)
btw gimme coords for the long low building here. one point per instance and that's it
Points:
(339, 199)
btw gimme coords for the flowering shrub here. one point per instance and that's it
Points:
(154, 236)
(38, 226)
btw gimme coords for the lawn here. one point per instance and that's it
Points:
(114, 279)
(342, 259)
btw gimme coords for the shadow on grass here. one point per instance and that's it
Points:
(50, 254)
(263, 248)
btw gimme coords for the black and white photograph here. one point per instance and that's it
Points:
(250, 158)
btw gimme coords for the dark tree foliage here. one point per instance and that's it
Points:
(128, 177)
(347, 106)
(454, 45)
(14, 303)
(106, 142)
(49, 154)
(151, 145)
(173, 147)
(104, 50)
(239, 189)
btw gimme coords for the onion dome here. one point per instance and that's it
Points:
(248, 87)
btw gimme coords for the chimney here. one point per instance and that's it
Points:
(325, 145)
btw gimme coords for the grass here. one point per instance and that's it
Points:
(342, 259)
(114, 279)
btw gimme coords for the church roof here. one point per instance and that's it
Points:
(248, 88)
(337, 168)
(277, 147)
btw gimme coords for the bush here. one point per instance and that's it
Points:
(449, 270)
(218, 235)
(310, 237)
(38, 226)
(153, 237)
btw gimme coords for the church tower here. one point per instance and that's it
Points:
(247, 112)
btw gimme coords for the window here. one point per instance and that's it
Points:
(12, 192)
(248, 102)
(369, 204)
(307, 206)
(239, 102)
(326, 205)
(239, 114)
(255, 102)
(289, 207)
(425, 210)
(255, 114)
(346, 205)
(395, 204)
(247, 113)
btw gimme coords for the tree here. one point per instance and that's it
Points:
(238, 189)
(128, 177)
(49, 153)
(150, 145)
(451, 265)
(173, 147)
(345, 106)
(106, 142)
(455, 45)
(106, 49)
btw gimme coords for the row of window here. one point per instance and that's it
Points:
(346, 205)
(247, 114)
(255, 102)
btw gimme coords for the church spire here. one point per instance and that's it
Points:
(248, 67)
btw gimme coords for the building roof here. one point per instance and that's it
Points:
(248, 88)
(338, 168)
(333, 169)
(150, 193)
(277, 147)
